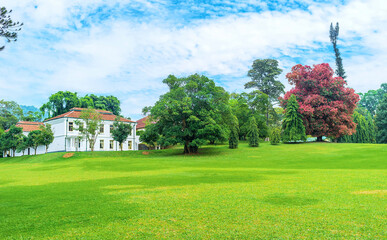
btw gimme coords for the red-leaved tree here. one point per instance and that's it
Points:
(326, 104)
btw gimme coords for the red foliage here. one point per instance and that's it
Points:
(326, 104)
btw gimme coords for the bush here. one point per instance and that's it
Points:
(275, 136)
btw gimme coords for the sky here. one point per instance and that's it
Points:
(125, 48)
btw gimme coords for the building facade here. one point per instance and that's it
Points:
(67, 138)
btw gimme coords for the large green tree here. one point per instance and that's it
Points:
(89, 126)
(371, 99)
(23, 144)
(192, 112)
(121, 131)
(8, 27)
(292, 125)
(264, 74)
(333, 35)
(11, 139)
(10, 114)
(381, 121)
(365, 128)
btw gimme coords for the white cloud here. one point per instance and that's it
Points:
(129, 58)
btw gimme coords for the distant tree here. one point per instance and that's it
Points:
(333, 35)
(34, 139)
(190, 112)
(371, 128)
(10, 113)
(234, 136)
(32, 116)
(371, 99)
(23, 144)
(150, 136)
(59, 103)
(264, 74)
(8, 28)
(292, 125)
(46, 136)
(89, 127)
(275, 135)
(121, 131)
(253, 135)
(326, 104)
(365, 128)
(381, 121)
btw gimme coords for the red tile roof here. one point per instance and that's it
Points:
(141, 123)
(29, 126)
(76, 113)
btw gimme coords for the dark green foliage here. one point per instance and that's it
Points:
(23, 144)
(245, 105)
(8, 28)
(10, 139)
(253, 135)
(264, 74)
(193, 112)
(381, 121)
(365, 128)
(121, 131)
(61, 102)
(150, 136)
(333, 34)
(371, 99)
(275, 135)
(293, 126)
(10, 114)
(234, 136)
(46, 136)
(34, 139)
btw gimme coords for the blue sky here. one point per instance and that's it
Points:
(125, 48)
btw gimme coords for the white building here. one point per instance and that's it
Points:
(66, 136)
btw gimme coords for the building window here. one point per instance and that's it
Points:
(111, 144)
(130, 145)
(111, 128)
(100, 144)
(101, 129)
(71, 126)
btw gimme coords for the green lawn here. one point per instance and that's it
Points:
(311, 191)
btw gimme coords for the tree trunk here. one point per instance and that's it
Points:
(186, 148)
(121, 146)
(46, 149)
(319, 139)
(35, 151)
(267, 115)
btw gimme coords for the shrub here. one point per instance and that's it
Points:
(275, 136)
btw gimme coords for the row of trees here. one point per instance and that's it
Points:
(15, 141)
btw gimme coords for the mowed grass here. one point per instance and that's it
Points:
(294, 191)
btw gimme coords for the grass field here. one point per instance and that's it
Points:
(303, 191)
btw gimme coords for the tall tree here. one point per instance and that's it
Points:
(8, 28)
(253, 135)
(121, 131)
(89, 125)
(333, 35)
(326, 104)
(293, 126)
(233, 139)
(46, 136)
(381, 121)
(190, 112)
(264, 74)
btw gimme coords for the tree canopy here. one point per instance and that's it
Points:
(61, 102)
(264, 74)
(192, 112)
(371, 99)
(89, 126)
(326, 104)
(381, 120)
(121, 131)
